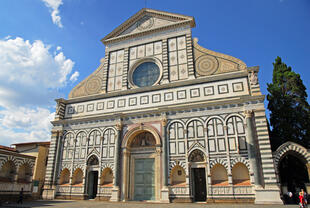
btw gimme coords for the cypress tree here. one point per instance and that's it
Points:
(289, 109)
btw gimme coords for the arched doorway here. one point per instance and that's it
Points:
(293, 175)
(292, 166)
(141, 165)
(92, 176)
(197, 162)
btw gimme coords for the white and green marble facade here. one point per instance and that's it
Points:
(198, 90)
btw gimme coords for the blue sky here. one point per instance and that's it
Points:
(49, 46)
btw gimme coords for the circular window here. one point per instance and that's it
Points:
(146, 74)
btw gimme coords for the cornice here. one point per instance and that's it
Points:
(200, 80)
(146, 32)
(145, 11)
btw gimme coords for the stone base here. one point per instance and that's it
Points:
(49, 193)
(231, 200)
(71, 197)
(103, 198)
(268, 196)
(115, 194)
(165, 195)
(181, 200)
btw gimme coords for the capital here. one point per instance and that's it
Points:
(119, 126)
(164, 121)
(248, 113)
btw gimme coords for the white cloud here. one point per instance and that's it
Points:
(30, 78)
(74, 76)
(54, 5)
(58, 48)
(30, 69)
(25, 125)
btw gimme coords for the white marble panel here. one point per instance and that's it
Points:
(172, 148)
(149, 49)
(104, 152)
(141, 51)
(212, 147)
(182, 57)
(158, 47)
(113, 57)
(173, 59)
(133, 53)
(181, 147)
(120, 56)
(119, 69)
(183, 71)
(221, 144)
(181, 42)
(172, 45)
(111, 152)
(173, 73)
(111, 84)
(118, 83)
(232, 143)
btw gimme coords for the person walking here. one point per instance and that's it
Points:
(302, 199)
(21, 196)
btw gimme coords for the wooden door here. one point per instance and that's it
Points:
(200, 192)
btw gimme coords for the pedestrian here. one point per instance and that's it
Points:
(290, 197)
(302, 203)
(20, 199)
(305, 197)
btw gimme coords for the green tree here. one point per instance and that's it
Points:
(289, 109)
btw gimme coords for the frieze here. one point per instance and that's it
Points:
(188, 95)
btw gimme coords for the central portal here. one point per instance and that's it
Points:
(142, 156)
(144, 188)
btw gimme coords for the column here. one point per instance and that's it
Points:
(252, 147)
(115, 191)
(125, 174)
(165, 190)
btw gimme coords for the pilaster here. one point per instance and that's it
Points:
(125, 69)
(49, 189)
(190, 59)
(105, 71)
(116, 190)
(164, 190)
(165, 78)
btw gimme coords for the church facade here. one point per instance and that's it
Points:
(162, 119)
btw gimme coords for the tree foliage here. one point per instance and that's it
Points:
(290, 111)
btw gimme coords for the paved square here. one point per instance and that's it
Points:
(94, 204)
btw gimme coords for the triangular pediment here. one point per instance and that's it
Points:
(146, 21)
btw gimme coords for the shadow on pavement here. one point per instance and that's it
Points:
(38, 203)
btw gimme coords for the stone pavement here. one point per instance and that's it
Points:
(95, 204)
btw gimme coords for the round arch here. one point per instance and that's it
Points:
(214, 117)
(288, 158)
(291, 147)
(176, 121)
(91, 131)
(234, 115)
(130, 135)
(194, 119)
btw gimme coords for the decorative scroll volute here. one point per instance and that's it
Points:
(209, 62)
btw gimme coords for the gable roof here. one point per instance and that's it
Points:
(178, 19)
